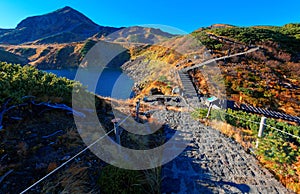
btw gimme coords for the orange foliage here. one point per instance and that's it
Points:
(51, 166)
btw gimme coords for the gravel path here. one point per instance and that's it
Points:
(212, 163)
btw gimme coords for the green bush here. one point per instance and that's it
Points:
(206, 41)
(87, 46)
(117, 180)
(17, 82)
(276, 149)
(287, 36)
(163, 79)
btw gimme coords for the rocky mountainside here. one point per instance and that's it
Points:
(61, 26)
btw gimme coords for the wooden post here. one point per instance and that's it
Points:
(209, 110)
(262, 126)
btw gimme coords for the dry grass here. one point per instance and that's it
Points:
(242, 136)
(246, 138)
(72, 180)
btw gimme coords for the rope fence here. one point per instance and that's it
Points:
(261, 124)
(72, 158)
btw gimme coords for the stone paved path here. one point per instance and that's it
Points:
(212, 163)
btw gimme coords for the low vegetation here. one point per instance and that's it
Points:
(267, 78)
(17, 82)
(287, 37)
(48, 137)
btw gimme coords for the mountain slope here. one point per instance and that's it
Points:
(3, 31)
(63, 25)
(12, 58)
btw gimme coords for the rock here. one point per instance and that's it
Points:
(155, 91)
(176, 90)
(65, 158)
(170, 185)
(39, 166)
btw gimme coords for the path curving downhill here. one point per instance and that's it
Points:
(212, 163)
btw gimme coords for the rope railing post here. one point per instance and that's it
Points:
(262, 126)
(117, 130)
(209, 110)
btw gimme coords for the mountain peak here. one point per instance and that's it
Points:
(53, 17)
(65, 10)
(63, 25)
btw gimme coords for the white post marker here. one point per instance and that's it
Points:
(209, 109)
(262, 126)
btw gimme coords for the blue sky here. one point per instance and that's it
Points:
(186, 15)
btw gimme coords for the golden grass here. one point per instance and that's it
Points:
(72, 180)
(242, 136)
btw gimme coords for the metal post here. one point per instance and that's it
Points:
(262, 126)
(117, 130)
(137, 109)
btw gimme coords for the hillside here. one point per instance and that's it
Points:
(50, 56)
(267, 78)
(39, 133)
(62, 38)
(12, 58)
(70, 55)
(3, 31)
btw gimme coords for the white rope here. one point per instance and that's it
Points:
(242, 118)
(46, 176)
(283, 131)
(124, 120)
(62, 165)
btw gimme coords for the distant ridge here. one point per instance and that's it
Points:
(138, 34)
